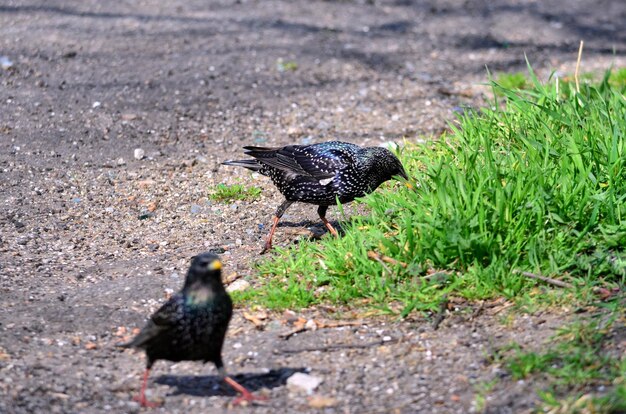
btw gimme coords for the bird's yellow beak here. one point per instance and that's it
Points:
(215, 265)
(409, 185)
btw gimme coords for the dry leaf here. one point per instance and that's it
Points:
(145, 183)
(231, 278)
(121, 331)
(321, 401)
(255, 319)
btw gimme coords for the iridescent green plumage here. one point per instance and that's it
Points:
(192, 324)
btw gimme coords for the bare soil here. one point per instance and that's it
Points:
(93, 239)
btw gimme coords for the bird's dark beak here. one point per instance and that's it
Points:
(215, 265)
(403, 174)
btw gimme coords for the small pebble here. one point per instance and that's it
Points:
(139, 153)
(311, 325)
(300, 382)
(5, 62)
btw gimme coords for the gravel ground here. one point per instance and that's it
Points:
(92, 239)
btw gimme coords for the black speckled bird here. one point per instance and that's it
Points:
(321, 173)
(191, 325)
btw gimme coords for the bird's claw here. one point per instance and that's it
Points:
(145, 403)
(249, 398)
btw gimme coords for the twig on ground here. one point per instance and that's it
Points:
(338, 324)
(257, 320)
(478, 310)
(443, 307)
(443, 275)
(313, 325)
(503, 307)
(580, 54)
(335, 347)
(291, 333)
(548, 280)
(476, 313)
(382, 258)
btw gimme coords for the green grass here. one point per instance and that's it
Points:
(617, 79)
(576, 363)
(537, 183)
(511, 81)
(286, 66)
(228, 193)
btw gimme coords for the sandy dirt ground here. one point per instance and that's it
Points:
(92, 239)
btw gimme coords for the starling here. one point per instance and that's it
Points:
(321, 174)
(191, 325)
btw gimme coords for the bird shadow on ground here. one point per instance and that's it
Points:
(212, 385)
(316, 227)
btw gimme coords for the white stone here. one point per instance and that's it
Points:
(238, 285)
(300, 382)
(311, 325)
(139, 153)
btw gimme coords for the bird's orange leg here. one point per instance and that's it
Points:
(279, 213)
(245, 394)
(322, 213)
(268, 241)
(141, 398)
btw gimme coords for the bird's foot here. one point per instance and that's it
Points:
(141, 399)
(266, 248)
(248, 397)
(330, 228)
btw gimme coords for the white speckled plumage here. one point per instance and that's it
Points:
(322, 173)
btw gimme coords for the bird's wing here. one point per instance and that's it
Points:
(161, 321)
(314, 161)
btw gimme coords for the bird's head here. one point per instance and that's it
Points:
(205, 270)
(385, 165)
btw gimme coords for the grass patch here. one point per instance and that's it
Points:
(537, 183)
(577, 363)
(617, 79)
(513, 81)
(286, 66)
(226, 193)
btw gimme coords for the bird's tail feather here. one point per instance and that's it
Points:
(129, 344)
(252, 148)
(249, 164)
